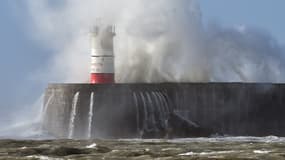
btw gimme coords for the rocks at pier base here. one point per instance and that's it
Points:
(84, 111)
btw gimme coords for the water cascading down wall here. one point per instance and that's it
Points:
(164, 110)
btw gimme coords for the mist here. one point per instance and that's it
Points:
(157, 41)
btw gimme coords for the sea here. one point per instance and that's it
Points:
(214, 148)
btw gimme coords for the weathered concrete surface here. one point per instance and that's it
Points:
(167, 110)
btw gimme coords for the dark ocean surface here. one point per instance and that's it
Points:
(224, 148)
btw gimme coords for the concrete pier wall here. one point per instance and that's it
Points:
(165, 110)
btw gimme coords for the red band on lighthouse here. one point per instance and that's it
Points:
(101, 78)
(102, 55)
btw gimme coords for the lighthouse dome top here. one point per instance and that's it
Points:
(98, 30)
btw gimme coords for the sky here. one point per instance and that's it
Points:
(262, 14)
(22, 55)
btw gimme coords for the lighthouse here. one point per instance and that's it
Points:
(102, 55)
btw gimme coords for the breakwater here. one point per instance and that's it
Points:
(164, 110)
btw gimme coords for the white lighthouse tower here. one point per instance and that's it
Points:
(102, 55)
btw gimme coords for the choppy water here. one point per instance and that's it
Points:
(177, 149)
